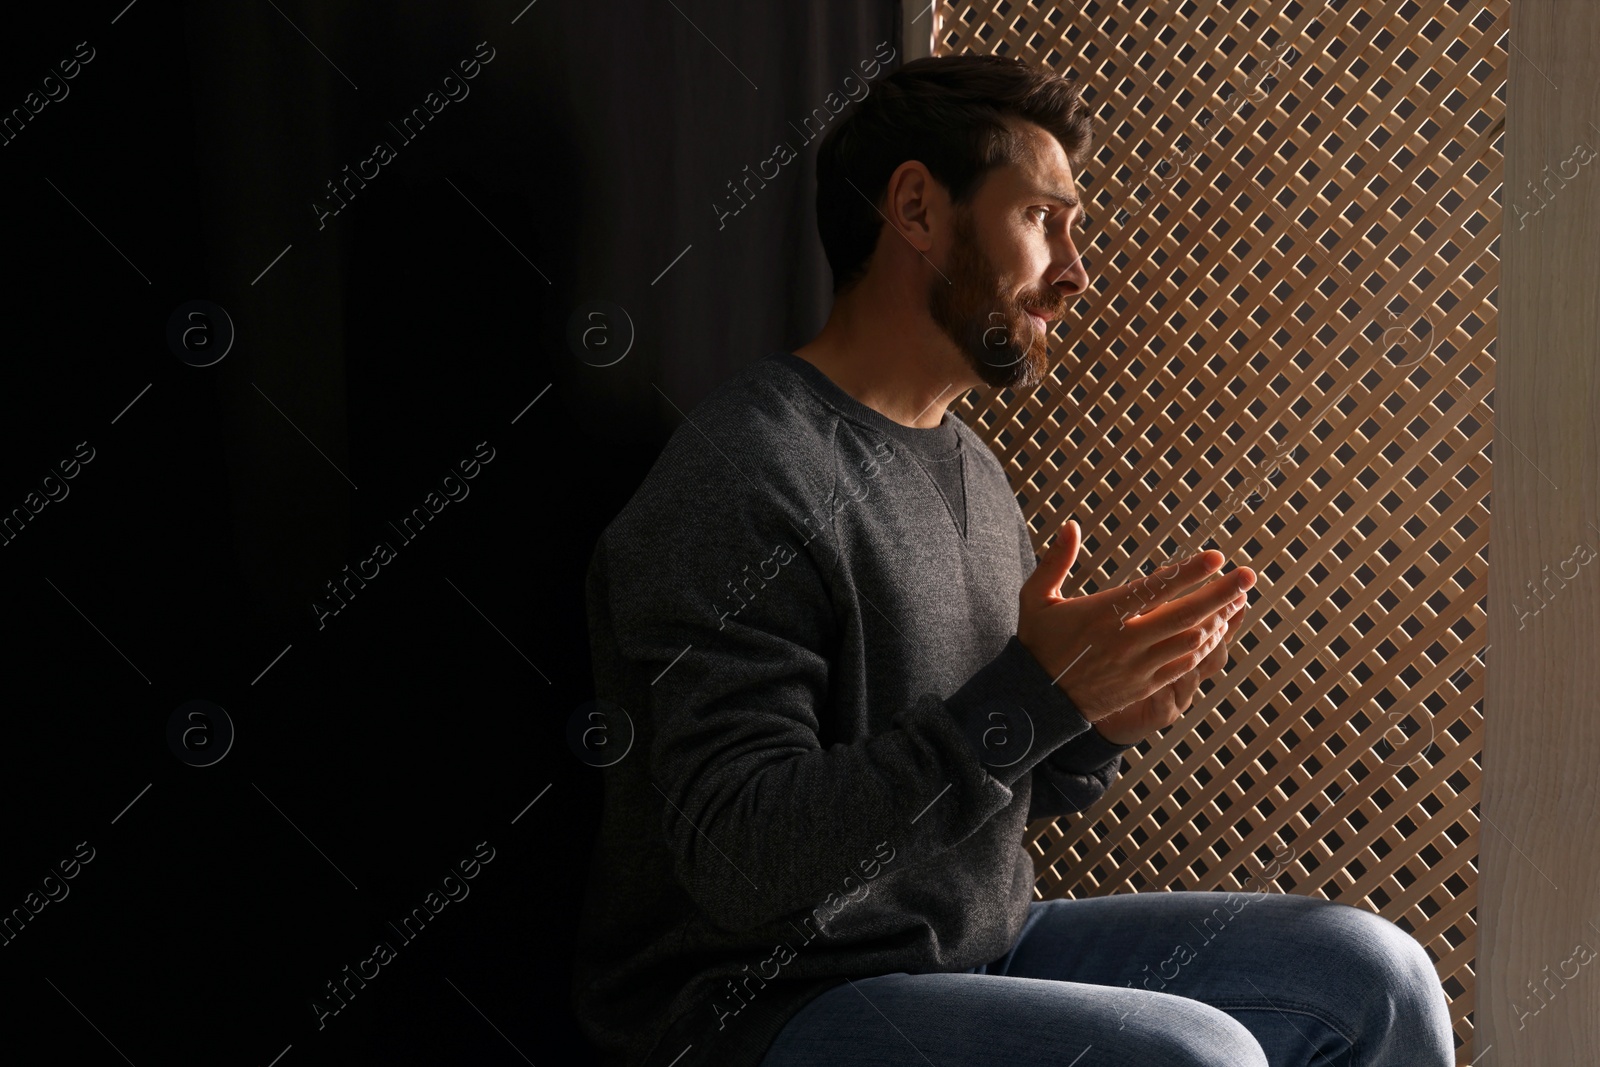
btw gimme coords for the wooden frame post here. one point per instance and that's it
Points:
(1539, 882)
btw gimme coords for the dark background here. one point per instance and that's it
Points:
(373, 753)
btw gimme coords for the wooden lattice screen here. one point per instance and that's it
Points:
(1287, 355)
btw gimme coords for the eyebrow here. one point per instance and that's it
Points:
(1067, 198)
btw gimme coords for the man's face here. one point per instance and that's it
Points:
(1011, 252)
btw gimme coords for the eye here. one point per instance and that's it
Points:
(1045, 210)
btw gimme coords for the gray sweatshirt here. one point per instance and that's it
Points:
(837, 740)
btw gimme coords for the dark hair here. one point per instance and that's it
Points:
(947, 112)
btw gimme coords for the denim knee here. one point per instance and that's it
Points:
(1389, 990)
(1187, 1033)
(1393, 958)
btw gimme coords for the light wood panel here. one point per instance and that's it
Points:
(1539, 993)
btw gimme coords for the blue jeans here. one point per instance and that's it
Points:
(1164, 979)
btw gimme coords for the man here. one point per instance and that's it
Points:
(853, 686)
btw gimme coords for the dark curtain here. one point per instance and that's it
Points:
(398, 315)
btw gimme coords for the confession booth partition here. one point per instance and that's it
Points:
(1286, 355)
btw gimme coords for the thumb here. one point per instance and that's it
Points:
(1045, 581)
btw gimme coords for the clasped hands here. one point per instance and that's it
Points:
(1132, 657)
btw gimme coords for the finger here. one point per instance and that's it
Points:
(1157, 710)
(1218, 658)
(1182, 591)
(1168, 673)
(1169, 705)
(1236, 615)
(1200, 638)
(1044, 584)
(1147, 696)
(1184, 690)
(1143, 594)
(1190, 648)
(1193, 609)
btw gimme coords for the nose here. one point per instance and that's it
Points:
(1069, 277)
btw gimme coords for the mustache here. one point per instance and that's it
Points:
(1048, 301)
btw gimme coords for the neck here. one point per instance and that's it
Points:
(883, 349)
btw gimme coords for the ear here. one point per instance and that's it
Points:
(916, 205)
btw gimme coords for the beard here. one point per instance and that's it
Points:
(993, 332)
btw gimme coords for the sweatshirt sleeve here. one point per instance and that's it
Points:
(1074, 775)
(756, 811)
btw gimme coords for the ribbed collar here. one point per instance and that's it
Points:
(933, 442)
